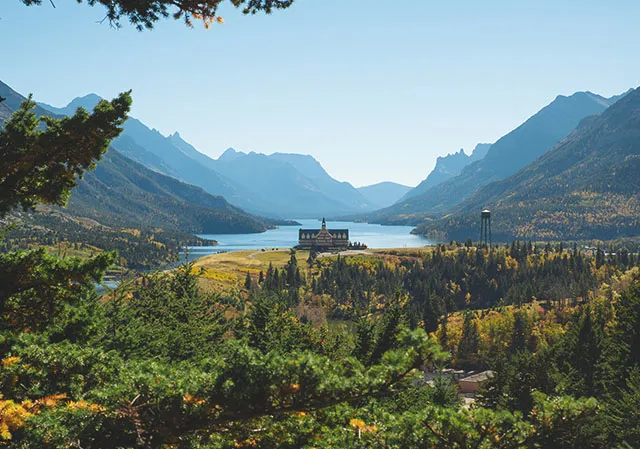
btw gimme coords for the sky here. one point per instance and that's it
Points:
(375, 90)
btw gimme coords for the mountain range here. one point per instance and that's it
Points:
(123, 193)
(276, 185)
(505, 157)
(586, 187)
(570, 171)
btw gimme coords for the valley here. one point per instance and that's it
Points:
(239, 224)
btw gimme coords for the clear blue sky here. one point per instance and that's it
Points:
(375, 90)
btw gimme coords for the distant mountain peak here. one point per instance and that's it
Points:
(230, 154)
(455, 155)
(88, 101)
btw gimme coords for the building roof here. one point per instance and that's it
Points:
(318, 230)
(479, 377)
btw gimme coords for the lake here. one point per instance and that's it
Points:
(373, 235)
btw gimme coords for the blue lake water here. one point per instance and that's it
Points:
(373, 235)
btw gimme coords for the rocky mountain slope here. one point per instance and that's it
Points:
(447, 167)
(505, 157)
(123, 193)
(586, 187)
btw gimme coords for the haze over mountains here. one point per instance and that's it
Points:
(277, 185)
(383, 194)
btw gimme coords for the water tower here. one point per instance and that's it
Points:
(485, 227)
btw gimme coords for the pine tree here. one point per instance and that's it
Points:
(521, 332)
(433, 310)
(42, 166)
(467, 353)
(291, 268)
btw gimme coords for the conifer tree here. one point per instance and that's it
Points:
(42, 166)
(467, 353)
(521, 332)
(434, 308)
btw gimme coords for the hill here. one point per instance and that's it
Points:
(505, 157)
(586, 187)
(383, 194)
(447, 167)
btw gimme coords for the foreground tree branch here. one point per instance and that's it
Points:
(144, 14)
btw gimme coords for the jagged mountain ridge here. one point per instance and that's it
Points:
(123, 193)
(447, 167)
(509, 154)
(280, 185)
(586, 187)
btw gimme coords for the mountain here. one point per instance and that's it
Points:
(337, 190)
(157, 152)
(383, 194)
(122, 193)
(509, 154)
(231, 154)
(278, 185)
(292, 185)
(447, 167)
(586, 187)
(295, 185)
(12, 101)
(480, 151)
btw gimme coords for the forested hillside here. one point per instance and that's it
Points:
(160, 362)
(584, 188)
(121, 192)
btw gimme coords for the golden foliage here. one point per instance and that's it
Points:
(12, 417)
(10, 361)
